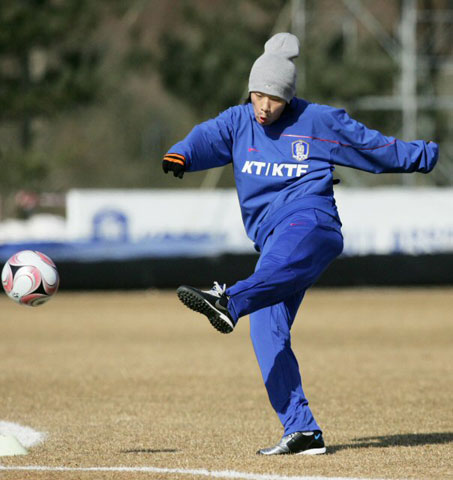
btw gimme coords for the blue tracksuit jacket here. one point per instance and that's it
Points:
(288, 165)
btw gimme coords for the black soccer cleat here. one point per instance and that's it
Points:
(298, 443)
(212, 303)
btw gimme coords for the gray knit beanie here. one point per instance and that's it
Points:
(274, 73)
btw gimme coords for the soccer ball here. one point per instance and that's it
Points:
(30, 278)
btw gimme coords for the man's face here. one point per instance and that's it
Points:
(267, 108)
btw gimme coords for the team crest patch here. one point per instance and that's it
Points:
(300, 150)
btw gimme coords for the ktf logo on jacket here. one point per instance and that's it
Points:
(271, 169)
(300, 150)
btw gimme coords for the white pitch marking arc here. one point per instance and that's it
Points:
(178, 471)
(26, 435)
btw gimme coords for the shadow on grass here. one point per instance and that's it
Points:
(402, 440)
(150, 450)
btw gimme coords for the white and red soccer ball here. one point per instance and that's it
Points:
(30, 278)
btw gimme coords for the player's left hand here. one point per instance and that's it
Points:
(175, 163)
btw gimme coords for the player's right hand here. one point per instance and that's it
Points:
(174, 162)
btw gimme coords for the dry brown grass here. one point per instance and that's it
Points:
(136, 379)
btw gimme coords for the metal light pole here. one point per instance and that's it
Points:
(298, 21)
(409, 73)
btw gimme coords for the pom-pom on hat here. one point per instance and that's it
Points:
(274, 73)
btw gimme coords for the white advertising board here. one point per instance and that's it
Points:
(396, 220)
(136, 215)
(375, 221)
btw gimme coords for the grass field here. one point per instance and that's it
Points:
(137, 380)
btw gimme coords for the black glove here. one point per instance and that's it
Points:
(175, 163)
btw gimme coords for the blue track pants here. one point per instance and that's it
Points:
(293, 256)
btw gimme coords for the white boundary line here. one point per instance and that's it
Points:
(178, 471)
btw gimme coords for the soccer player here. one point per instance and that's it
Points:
(284, 150)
